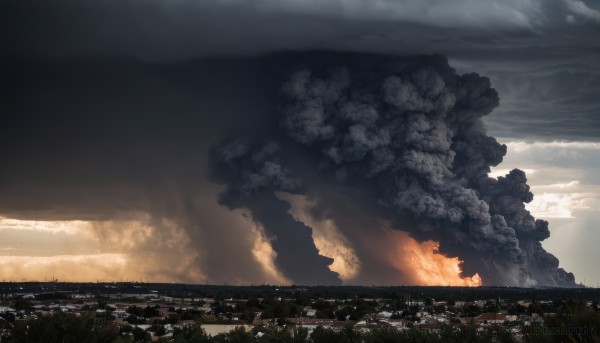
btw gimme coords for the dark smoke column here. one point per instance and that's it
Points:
(407, 131)
(252, 178)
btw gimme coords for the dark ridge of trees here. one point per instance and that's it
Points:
(439, 293)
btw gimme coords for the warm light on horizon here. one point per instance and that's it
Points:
(89, 251)
(434, 269)
(425, 265)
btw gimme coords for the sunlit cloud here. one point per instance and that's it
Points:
(68, 227)
(566, 192)
(503, 171)
(140, 246)
(560, 200)
(521, 146)
(562, 186)
(137, 248)
(265, 255)
(557, 205)
(80, 268)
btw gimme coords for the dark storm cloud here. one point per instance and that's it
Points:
(175, 30)
(92, 139)
(551, 102)
(509, 39)
(107, 110)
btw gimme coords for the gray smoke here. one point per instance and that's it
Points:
(407, 133)
(252, 178)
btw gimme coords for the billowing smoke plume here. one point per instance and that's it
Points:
(404, 137)
(368, 143)
(250, 173)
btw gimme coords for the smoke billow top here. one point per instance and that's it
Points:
(402, 138)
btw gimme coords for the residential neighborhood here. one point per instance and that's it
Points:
(152, 315)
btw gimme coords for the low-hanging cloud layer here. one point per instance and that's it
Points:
(541, 55)
(176, 30)
(114, 110)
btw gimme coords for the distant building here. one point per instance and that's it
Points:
(215, 329)
(490, 318)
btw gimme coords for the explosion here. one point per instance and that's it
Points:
(421, 263)
(396, 139)
(432, 268)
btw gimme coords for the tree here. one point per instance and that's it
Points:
(138, 311)
(439, 308)
(325, 335)
(22, 304)
(343, 313)
(66, 328)
(300, 335)
(101, 303)
(151, 311)
(140, 336)
(237, 335)
(191, 334)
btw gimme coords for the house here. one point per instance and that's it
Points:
(311, 312)
(459, 304)
(385, 314)
(311, 323)
(397, 323)
(215, 329)
(490, 318)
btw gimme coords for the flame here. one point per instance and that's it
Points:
(426, 266)
(433, 268)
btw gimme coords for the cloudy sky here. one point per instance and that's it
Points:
(90, 85)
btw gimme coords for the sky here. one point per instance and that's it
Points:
(110, 110)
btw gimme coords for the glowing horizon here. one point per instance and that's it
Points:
(429, 268)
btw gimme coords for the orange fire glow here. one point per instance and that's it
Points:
(427, 266)
(433, 268)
